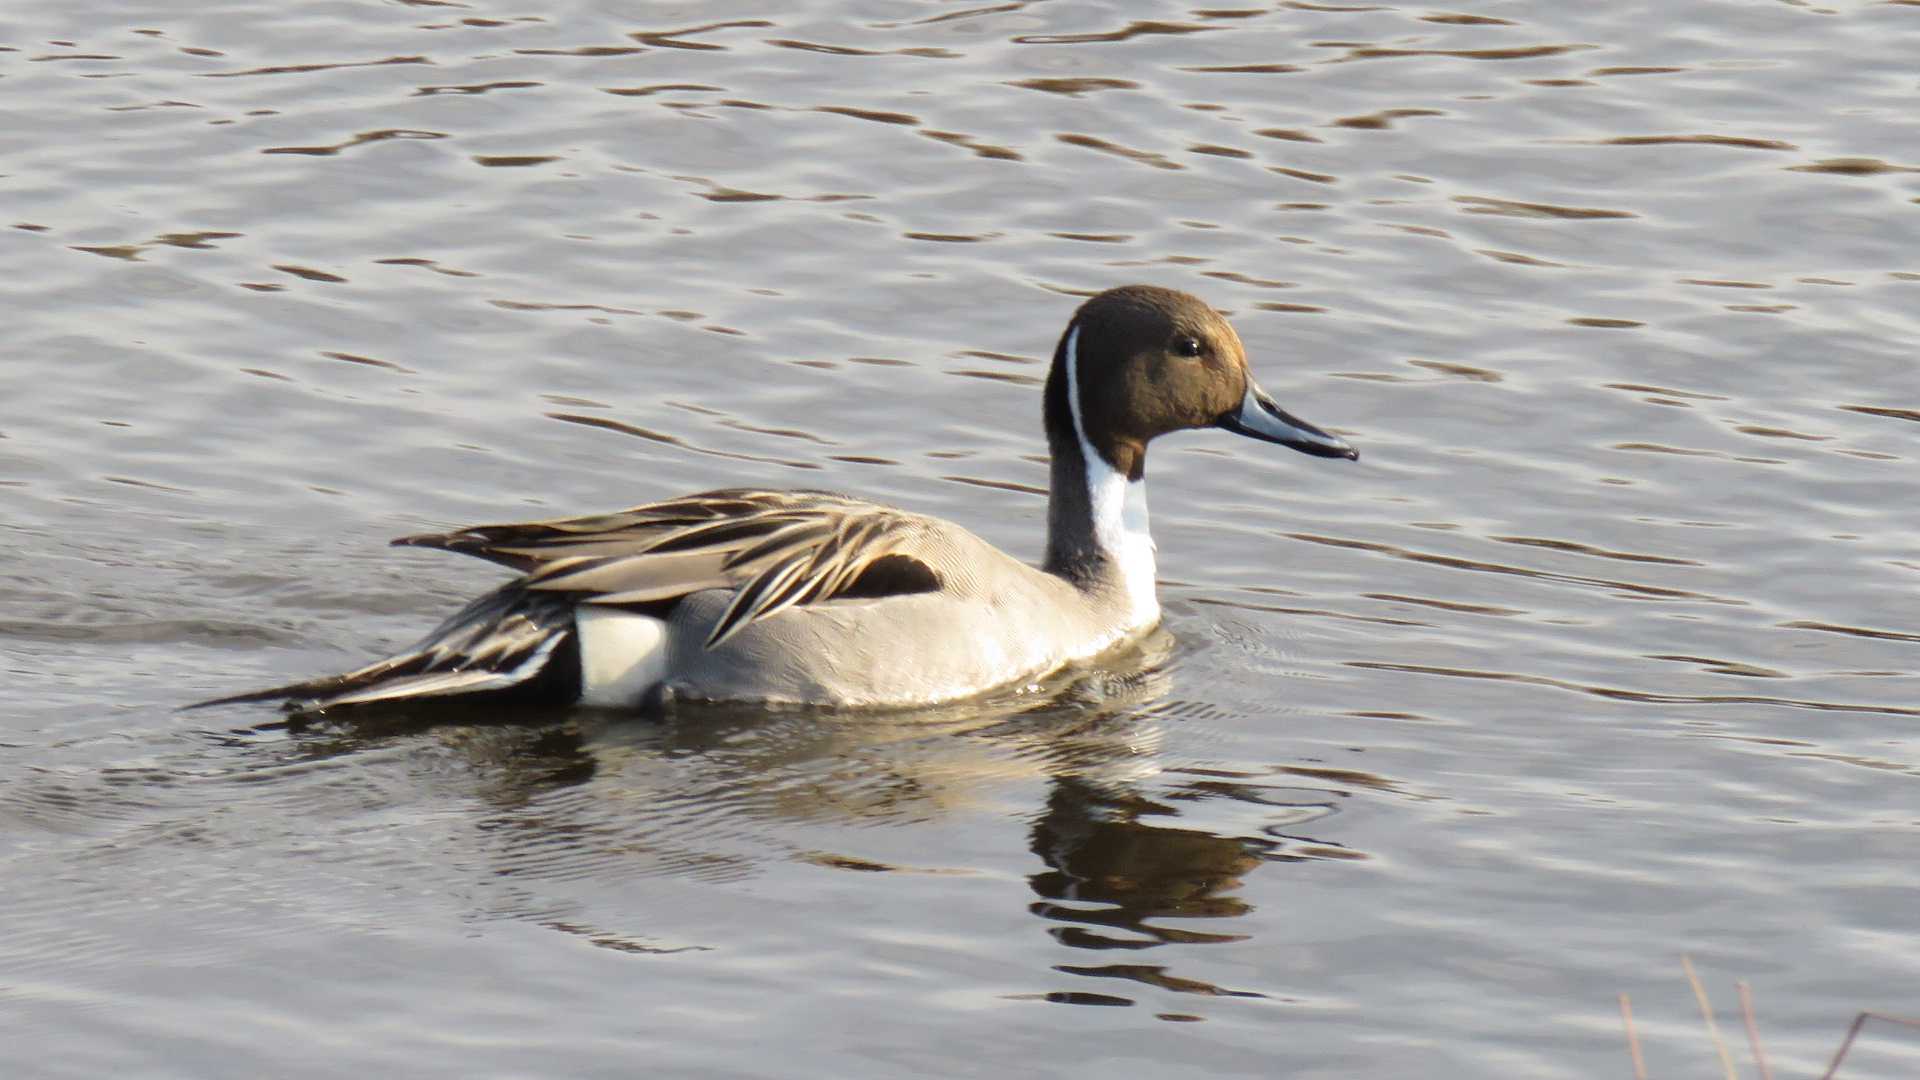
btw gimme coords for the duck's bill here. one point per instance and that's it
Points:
(1259, 418)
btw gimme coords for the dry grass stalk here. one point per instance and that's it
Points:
(1706, 1013)
(1753, 1029)
(1633, 1041)
(1853, 1032)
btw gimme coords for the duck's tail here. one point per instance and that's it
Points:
(510, 642)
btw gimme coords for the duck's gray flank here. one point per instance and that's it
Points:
(817, 598)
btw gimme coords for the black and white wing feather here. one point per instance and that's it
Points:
(774, 549)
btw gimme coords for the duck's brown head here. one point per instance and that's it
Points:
(1140, 361)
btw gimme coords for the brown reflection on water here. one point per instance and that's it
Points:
(1621, 694)
(1143, 157)
(979, 148)
(477, 88)
(1114, 875)
(1699, 140)
(676, 39)
(362, 139)
(1125, 33)
(1383, 119)
(1633, 589)
(199, 241)
(1524, 52)
(1481, 204)
(608, 423)
(1108, 870)
(1075, 87)
(303, 69)
(1853, 166)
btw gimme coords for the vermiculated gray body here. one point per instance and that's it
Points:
(912, 649)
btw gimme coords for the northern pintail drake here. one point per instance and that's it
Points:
(813, 598)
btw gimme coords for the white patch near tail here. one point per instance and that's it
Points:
(623, 655)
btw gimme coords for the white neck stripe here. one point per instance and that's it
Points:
(1118, 507)
(1073, 391)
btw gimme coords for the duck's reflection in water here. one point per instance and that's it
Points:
(1108, 872)
(1136, 850)
(1118, 881)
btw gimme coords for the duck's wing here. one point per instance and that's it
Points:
(525, 546)
(774, 549)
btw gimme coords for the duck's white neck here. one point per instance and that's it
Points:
(1118, 507)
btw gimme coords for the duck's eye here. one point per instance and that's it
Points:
(1187, 346)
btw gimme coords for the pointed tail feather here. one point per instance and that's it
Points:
(312, 688)
(507, 640)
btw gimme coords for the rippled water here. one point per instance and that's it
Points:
(1604, 653)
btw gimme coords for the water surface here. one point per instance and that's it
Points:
(1604, 653)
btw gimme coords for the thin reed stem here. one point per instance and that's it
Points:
(1633, 1041)
(1753, 1029)
(1706, 1013)
(1854, 1031)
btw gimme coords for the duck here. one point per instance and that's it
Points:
(817, 599)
